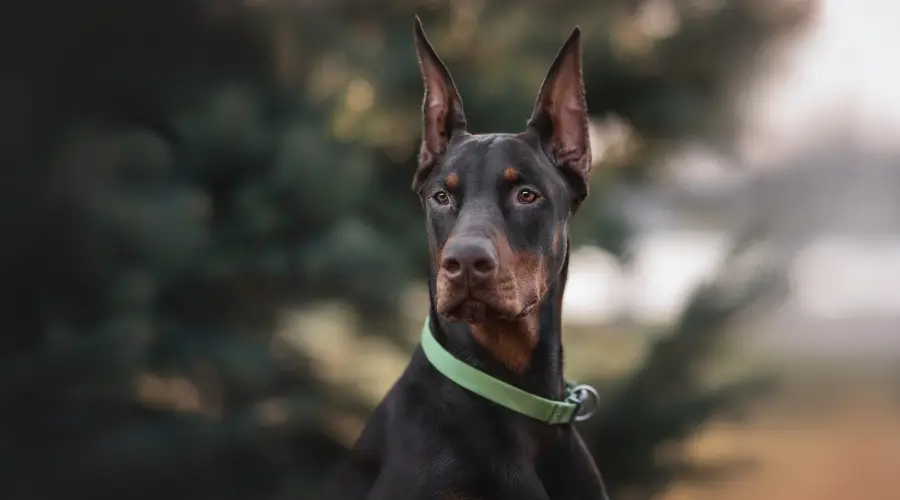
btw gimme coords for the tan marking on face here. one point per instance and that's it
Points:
(510, 342)
(445, 293)
(510, 174)
(452, 181)
(522, 281)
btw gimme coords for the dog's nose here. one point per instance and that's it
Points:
(466, 256)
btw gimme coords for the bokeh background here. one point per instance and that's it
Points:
(212, 263)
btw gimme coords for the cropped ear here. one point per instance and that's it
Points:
(560, 115)
(442, 110)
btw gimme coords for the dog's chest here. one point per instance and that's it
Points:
(486, 465)
(491, 479)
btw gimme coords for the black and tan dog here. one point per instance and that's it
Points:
(497, 208)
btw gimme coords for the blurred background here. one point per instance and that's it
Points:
(213, 264)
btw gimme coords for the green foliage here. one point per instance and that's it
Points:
(182, 171)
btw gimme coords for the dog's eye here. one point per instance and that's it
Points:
(441, 198)
(527, 196)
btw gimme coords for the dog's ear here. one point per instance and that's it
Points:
(442, 110)
(560, 115)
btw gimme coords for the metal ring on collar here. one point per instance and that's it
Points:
(586, 392)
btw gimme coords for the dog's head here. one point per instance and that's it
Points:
(498, 205)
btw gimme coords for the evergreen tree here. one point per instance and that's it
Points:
(180, 172)
(643, 425)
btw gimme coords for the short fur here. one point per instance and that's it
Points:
(497, 209)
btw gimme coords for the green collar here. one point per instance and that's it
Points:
(517, 400)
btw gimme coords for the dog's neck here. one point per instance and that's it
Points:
(542, 373)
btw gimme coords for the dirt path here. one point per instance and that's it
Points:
(850, 452)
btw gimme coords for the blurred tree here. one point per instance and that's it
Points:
(644, 424)
(179, 172)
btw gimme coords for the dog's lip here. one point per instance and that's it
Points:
(463, 308)
(527, 309)
(490, 309)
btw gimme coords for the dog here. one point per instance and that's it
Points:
(497, 210)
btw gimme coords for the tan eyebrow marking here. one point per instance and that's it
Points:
(510, 174)
(452, 181)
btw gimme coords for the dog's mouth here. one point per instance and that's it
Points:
(474, 311)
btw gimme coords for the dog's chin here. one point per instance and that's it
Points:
(475, 311)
